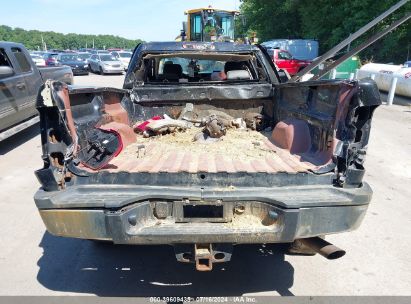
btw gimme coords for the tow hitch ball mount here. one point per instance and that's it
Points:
(203, 255)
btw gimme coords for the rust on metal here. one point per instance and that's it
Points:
(64, 95)
(254, 121)
(203, 256)
(215, 127)
(76, 223)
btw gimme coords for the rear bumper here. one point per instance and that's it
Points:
(112, 70)
(150, 219)
(80, 71)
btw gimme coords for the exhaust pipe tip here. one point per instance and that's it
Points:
(334, 253)
(326, 249)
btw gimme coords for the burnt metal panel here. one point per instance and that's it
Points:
(116, 196)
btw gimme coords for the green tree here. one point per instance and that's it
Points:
(274, 18)
(329, 21)
(32, 39)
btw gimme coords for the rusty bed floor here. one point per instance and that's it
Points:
(238, 151)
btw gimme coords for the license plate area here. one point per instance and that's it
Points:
(211, 212)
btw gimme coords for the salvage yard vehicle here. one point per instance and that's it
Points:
(78, 67)
(38, 60)
(303, 49)
(20, 81)
(105, 64)
(122, 56)
(84, 56)
(285, 61)
(204, 148)
(50, 58)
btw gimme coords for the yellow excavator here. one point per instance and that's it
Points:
(208, 24)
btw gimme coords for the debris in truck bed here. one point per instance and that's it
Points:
(162, 126)
(215, 127)
(254, 121)
(142, 126)
(236, 144)
(237, 151)
(204, 138)
(158, 125)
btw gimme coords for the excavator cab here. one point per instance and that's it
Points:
(209, 25)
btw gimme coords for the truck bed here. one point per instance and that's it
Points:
(62, 73)
(238, 151)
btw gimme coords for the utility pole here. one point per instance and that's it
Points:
(93, 43)
(43, 43)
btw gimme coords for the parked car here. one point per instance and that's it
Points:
(50, 58)
(38, 60)
(40, 53)
(114, 49)
(72, 60)
(84, 56)
(20, 81)
(85, 50)
(201, 182)
(407, 64)
(285, 61)
(123, 56)
(302, 49)
(99, 52)
(105, 64)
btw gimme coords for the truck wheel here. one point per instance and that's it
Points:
(101, 71)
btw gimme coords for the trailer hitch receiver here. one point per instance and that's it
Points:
(203, 255)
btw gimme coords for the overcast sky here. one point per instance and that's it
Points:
(150, 20)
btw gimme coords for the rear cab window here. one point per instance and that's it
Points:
(200, 68)
(4, 60)
(21, 59)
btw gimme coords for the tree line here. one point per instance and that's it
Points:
(32, 39)
(328, 21)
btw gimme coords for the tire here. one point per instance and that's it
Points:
(101, 71)
(89, 68)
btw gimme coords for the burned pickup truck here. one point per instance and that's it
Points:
(203, 149)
